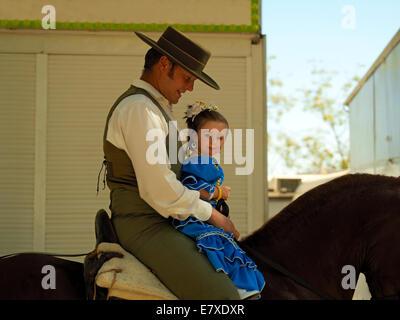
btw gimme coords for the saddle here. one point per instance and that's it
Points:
(110, 272)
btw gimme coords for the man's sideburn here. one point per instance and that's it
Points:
(172, 71)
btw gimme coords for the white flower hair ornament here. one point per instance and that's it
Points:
(194, 109)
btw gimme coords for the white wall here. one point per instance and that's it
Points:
(374, 120)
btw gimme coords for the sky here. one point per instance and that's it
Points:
(341, 36)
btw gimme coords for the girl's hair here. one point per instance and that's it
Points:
(204, 116)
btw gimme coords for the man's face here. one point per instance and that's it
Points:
(173, 83)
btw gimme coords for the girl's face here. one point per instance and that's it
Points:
(211, 137)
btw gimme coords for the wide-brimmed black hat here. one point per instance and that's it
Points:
(183, 51)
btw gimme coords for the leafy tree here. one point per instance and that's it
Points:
(324, 147)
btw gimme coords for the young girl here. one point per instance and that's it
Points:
(201, 172)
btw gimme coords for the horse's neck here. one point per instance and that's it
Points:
(315, 240)
(324, 235)
(321, 254)
(382, 259)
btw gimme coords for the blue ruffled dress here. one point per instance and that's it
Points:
(203, 172)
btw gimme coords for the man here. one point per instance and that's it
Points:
(143, 195)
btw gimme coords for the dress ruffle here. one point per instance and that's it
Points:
(223, 252)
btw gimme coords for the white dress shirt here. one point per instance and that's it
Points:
(158, 186)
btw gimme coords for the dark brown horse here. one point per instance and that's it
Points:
(352, 221)
(23, 277)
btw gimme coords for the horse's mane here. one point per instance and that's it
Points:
(307, 206)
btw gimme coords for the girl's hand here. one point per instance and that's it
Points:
(217, 219)
(226, 191)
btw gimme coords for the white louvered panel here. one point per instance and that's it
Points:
(17, 148)
(81, 90)
(387, 110)
(362, 155)
(230, 74)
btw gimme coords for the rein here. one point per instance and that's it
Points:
(285, 272)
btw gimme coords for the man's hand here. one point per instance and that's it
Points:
(217, 219)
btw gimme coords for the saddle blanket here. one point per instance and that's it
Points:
(128, 278)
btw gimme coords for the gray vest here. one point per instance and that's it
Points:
(120, 174)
